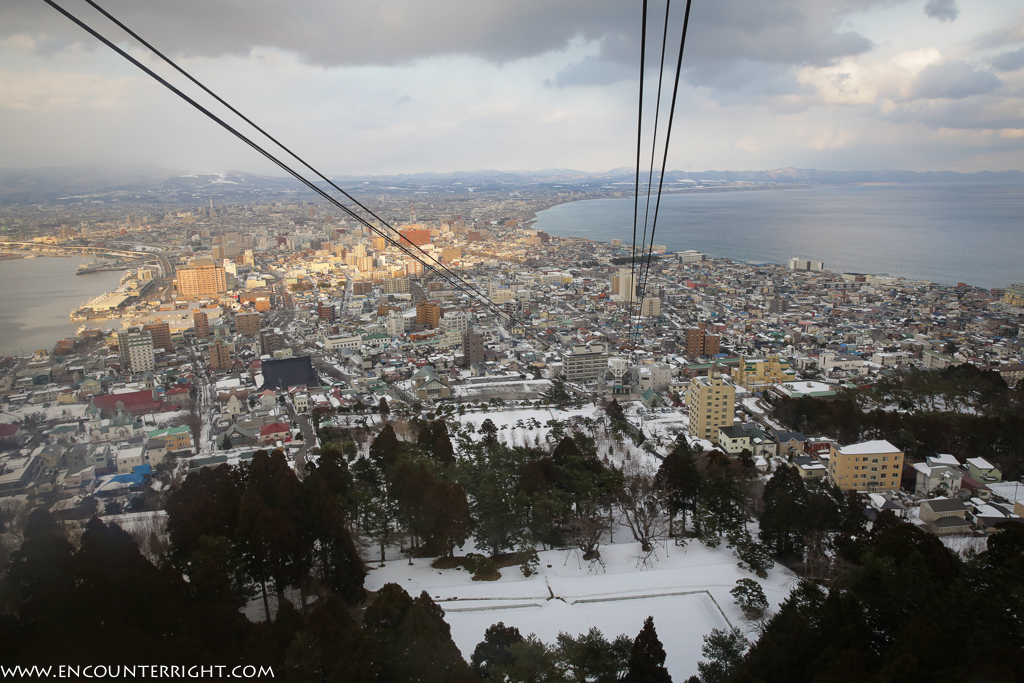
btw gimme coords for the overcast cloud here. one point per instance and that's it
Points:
(390, 86)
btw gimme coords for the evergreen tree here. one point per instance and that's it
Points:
(647, 660)
(489, 431)
(750, 597)
(384, 409)
(385, 449)
(590, 658)
(40, 573)
(723, 648)
(416, 642)
(493, 650)
(447, 516)
(679, 477)
(441, 444)
(334, 558)
(499, 516)
(720, 502)
(783, 521)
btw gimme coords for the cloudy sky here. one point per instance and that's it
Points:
(402, 86)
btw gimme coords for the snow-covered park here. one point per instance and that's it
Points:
(685, 588)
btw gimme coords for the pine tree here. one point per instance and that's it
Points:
(750, 597)
(447, 516)
(647, 661)
(493, 650)
(489, 431)
(679, 477)
(386, 448)
(441, 443)
(783, 522)
(416, 640)
(724, 651)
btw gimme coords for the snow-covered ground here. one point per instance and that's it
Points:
(686, 590)
(590, 419)
(51, 411)
(535, 387)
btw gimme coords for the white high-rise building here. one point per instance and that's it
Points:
(135, 347)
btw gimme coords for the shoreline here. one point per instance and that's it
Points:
(998, 278)
(35, 323)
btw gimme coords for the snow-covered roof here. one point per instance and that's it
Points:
(869, 447)
(980, 463)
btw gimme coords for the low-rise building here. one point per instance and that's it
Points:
(944, 516)
(868, 466)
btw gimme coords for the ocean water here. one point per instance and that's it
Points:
(38, 297)
(972, 233)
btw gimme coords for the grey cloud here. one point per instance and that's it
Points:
(401, 31)
(746, 78)
(592, 71)
(954, 80)
(943, 10)
(979, 113)
(731, 42)
(617, 60)
(1008, 34)
(1009, 61)
(794, 32)
(342, 33)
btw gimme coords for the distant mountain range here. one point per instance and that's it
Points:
(153, 184)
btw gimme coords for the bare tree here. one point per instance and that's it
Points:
(642, 502)
(585, 527)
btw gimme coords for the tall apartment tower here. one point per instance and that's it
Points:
(428, 313)
(472, 346)
(135, 348)
(711, 402)
(868, 466)
(202, 278)
(202, 324)
(220, 354)
(624, 284)
(248, 323)
(271, 341)
(161, 333)
(650, 307)
(700, 343)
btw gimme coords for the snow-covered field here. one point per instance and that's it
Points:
(590, 419)
(68, 411)
(686, 590)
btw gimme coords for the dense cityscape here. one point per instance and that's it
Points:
(279, 338)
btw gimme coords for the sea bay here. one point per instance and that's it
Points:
(946, 233)
(38, 297)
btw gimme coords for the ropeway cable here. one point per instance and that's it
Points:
(668, 135)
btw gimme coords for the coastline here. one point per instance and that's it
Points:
(41, 295)
(914, 233)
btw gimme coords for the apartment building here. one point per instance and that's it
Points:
(867, 466)
(248, 323)
(135, 348)
(585, 364)
(711, 402)
(201, 278)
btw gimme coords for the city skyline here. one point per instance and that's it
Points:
(370, 88)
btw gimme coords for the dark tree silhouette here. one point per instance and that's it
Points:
(647, 661)
(679, 477)
(493, 650)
